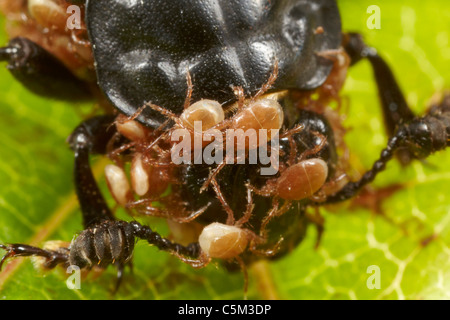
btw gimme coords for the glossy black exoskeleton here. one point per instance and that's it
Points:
(143, 51)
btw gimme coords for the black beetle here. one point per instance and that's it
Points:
(222, 48)
(221, 43)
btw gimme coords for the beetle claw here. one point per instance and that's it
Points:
(8, 254)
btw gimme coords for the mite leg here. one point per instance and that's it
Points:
(395, 109)
(41, 72)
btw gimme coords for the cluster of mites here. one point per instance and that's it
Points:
(151, 167)
(149, 173)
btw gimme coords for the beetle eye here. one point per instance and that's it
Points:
(209, 112)
(303, 179)
(222, 241)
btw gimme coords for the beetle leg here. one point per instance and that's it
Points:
(395, 109)
(145, 233)
(41, 72)
(52, 257)
(120, 267)
(421, 137)
(317, 219)
(91, 137)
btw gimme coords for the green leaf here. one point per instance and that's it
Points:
(37, 201)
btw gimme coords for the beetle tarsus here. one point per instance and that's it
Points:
(145, 233)
(421, 137)
(88, 250)
(52, 258)
(120, 269)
